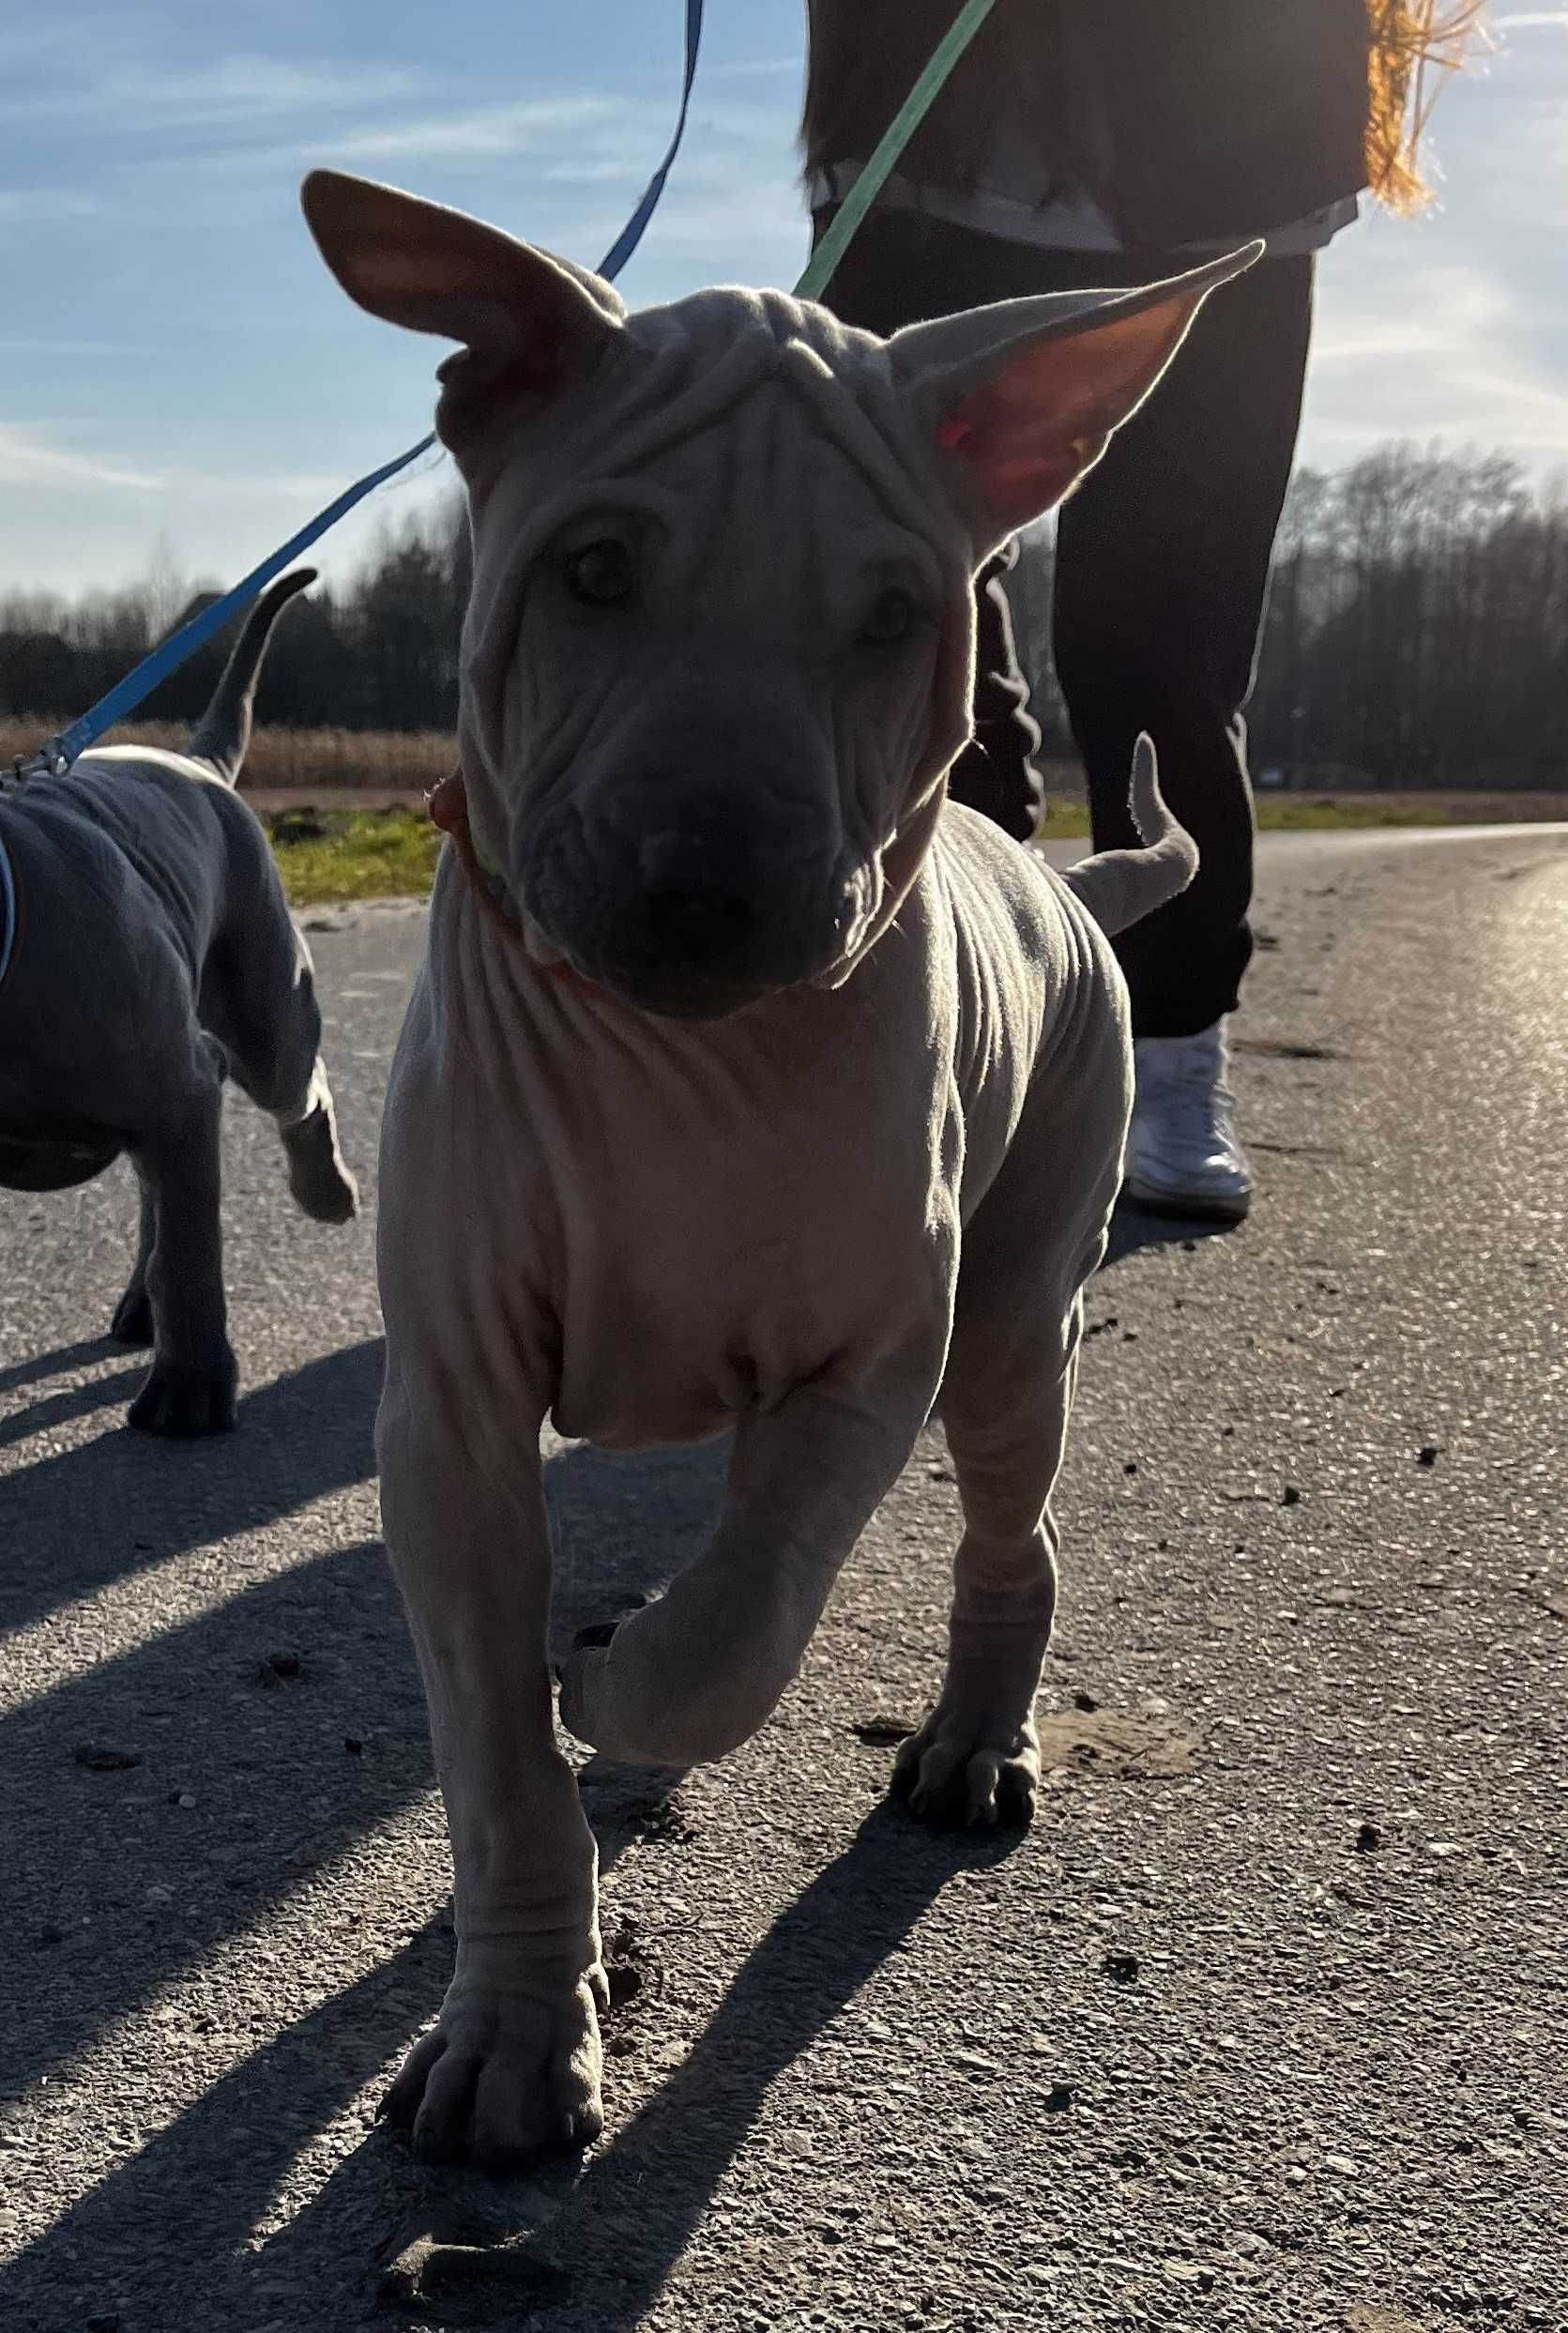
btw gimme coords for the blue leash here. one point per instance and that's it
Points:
(170, 654)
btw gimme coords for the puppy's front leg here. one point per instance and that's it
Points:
(691, 1676)
(513, 2066)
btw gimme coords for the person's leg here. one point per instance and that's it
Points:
(1163, 562)
(996, 773)
(1161, 571)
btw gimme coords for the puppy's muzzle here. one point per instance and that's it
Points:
(699, 911)
(704, 923)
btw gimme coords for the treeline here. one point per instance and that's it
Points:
(379, 653)
(1417, 632)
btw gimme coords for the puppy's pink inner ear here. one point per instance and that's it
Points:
(1020, 471)
(1027, 435)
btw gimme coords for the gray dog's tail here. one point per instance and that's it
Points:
(224, 731)
(1120, 886)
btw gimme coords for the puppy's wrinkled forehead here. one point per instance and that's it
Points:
(749, 416)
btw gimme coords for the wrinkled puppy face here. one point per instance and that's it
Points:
(709, 676)
(718, 653)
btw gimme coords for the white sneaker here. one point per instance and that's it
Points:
(1182, 1154)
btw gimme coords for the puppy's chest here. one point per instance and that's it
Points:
(707, 1248)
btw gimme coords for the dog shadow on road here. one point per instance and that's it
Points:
(78, 1520)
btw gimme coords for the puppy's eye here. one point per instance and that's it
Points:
(891, 620)
(602, 574)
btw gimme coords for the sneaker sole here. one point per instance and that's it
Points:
(1175, 1209)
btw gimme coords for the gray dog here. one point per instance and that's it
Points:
(154, 954)
(745, 1085)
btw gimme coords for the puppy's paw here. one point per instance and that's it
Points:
(321, 1184)
(132, 1321)
(970, 1769)
(182, 1403)
(505, 2076)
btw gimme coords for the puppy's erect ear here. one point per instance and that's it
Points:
(528, 322)
(1021, 399)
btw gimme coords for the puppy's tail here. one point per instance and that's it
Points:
(1118, 887)
(224, 731)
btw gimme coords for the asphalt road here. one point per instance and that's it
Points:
(1261, 2027)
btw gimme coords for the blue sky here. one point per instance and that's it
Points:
(178, 370)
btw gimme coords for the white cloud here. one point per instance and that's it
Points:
(228, 92)
(30, 456)
(475, 132)
(27, 458)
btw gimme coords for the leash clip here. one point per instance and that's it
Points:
(48, 762)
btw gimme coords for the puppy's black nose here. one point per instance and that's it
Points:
(697, 907)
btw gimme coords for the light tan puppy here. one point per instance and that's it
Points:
(745, 1085)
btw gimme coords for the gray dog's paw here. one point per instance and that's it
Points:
(506, 2077)
(320, 1182)
(132, 1321)
(961, 1769)
(183, 1403)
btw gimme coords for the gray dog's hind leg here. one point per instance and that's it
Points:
(191, 1388)
(321, 1183)
(262, 1008)
(132, 1321)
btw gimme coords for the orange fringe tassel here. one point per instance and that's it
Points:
(1413, 41)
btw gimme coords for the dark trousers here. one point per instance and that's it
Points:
(1161, 575)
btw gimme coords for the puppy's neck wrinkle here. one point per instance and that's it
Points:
(447, 805)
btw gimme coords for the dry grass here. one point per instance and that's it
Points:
(289, 761)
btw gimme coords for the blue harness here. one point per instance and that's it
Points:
(8, 911)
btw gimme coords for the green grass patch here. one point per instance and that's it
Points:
(360, 854)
